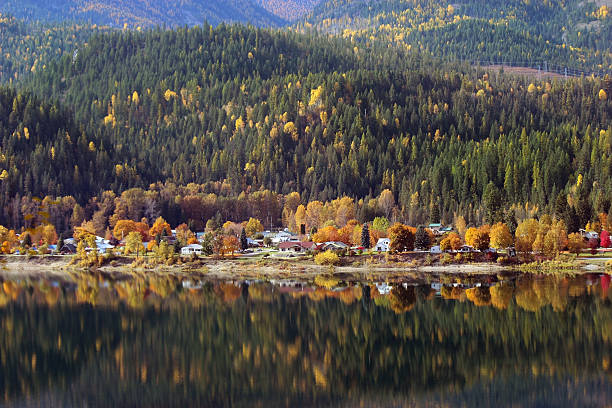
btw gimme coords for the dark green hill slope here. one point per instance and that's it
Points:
(328, 117)
(44, 152)
(28, 47)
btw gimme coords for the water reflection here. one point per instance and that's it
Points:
(170, 342)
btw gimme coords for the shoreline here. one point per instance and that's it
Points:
(58, 267)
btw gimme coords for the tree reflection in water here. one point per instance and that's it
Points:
(165, 342)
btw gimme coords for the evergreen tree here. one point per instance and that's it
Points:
(434, 215)
(493, 203)
(421, 239)
(510, 220)
(27, 240)
(243, 240)
(561, 206)
(571, 219)
(584, 211)
(365, 236)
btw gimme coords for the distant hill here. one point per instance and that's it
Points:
(289, 9)
(135, 13)
(565, 33)
(28, 47)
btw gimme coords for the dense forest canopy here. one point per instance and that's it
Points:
(26, 48)
(237, 109)
(322, 116)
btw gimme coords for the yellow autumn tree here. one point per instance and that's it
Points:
(500, 236)
(253, 226)
(477, 238)
(290, 129)
(526, 234)
(133, 244)
(531, 88)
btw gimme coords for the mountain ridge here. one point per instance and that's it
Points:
(140, 13)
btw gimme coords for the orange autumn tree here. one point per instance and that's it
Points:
(326, 234)
(346, 233)
(451, 241)
(142, 227)
(478, 237)
(230, 245)
(526, 234)
(159, 228)
(123, 228)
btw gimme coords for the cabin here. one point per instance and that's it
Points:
(435, 250)
(281, 236)
(252, 243)
(383, 245)
(466, 248)
(334, 246)
(588, 235)
(192, 249)
(68, 249)
(439, 229)
(290, 246)
(296, 246)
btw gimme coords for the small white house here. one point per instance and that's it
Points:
(589, 234)
(192, 249)
(435, 250)
(466, 248)
(334, 246)
(383, 245)
(283, 236)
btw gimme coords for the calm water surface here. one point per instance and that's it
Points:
(543, 342)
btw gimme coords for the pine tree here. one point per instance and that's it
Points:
(510, 220)
(243, 240)
(561, 206)
(434, 215)
(27, 240)
(365, 236)
(421, 239)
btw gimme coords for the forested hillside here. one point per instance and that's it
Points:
(562, 33)
(138, 13)
(26, 48)
(325, 117)
(44, 152)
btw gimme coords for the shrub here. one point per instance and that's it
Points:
(446, 259)
(458, 258)
(327, 258)
(491, 256)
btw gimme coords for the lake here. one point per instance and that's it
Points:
(482, 341)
